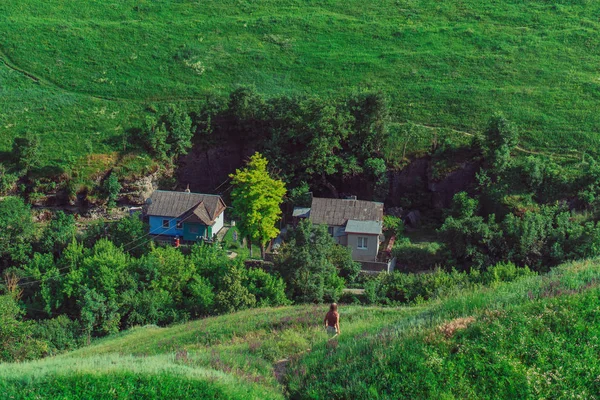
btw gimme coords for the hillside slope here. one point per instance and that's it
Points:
(534, 338)
(84, 71)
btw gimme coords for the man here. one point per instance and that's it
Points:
(332, 321)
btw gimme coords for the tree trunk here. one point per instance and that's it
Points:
(250, 246)
(329, 186)
(262, 251)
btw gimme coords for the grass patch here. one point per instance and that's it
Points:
(81, 75)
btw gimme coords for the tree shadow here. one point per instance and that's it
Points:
(132, 140)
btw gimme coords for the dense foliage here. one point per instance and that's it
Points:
(313, 266)
(256, 201)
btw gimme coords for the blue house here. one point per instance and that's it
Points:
(190, 216)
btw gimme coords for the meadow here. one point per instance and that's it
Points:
(82, 74)
(537, 337)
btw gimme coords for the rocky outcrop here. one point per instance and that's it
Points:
(137, 191)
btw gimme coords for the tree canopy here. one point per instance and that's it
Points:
(256, 199)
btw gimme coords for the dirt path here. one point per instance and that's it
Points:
(575, 156)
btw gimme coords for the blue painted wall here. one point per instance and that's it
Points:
(156, 227)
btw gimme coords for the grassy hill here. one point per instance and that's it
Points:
(81, 73)
(533, 338)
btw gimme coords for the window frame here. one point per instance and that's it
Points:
(179, 225)
(168, 223)
(362, 242)
(330, 230)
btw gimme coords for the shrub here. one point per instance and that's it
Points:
(60, 334)
(17, 342)
(393, 226)
(269, 290)
(504, 272)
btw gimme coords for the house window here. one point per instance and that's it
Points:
(362, 242)
(330, 230)
(179, 225)
(166, 223)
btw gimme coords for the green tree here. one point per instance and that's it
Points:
(501, 139)
(170, 270)
(130, 233)
(17, 231)
(199, 297)
(157, 138)
(269, 290)
(179, 126)
(463, 206)
(471, 239)
(306, 263)
(26, 151)
(58, 233)
(256, 199)
(233, 295)
(370, 114)
(377, 173)
(112, 188)
(247, 115)
(393, 226)
(16, 338)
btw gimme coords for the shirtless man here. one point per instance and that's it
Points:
(332, 321)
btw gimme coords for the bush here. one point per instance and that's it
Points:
(269, 290)
(418, 256)
(60, 334)
(392, 226)
(504, 272)
(16, 336)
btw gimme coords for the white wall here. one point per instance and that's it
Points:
(218, 223)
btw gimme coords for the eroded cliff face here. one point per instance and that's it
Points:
(461, 179)
(207, 170)
(416, 178)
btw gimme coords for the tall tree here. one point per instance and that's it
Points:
(256, 201)
(501, 138)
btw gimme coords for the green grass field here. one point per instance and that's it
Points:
(533, 338)
(81, 74)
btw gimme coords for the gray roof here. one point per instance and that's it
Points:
(301, 212)
(339, 211)
(366, 227)
(194, 207)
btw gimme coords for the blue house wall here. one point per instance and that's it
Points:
(156, 226)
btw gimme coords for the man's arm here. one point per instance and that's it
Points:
(337, 324)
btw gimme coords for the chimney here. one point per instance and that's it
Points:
(187, 190)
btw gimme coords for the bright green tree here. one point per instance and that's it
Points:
(256, 199)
